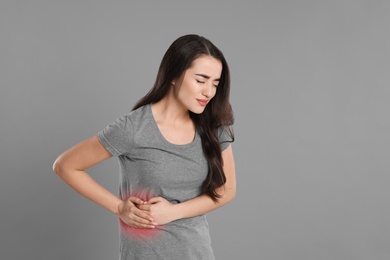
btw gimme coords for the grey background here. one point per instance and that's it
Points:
(310, 90)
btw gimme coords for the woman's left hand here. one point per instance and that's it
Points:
(160, 209)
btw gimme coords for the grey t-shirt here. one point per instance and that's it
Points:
(151, 166)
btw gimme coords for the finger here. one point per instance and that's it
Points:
(136, 224)
(137, 218)
(145, 226)
(145, 207)
(135, 200)
(155, 200)
(145, 216)
(141, 222)
(142, 214)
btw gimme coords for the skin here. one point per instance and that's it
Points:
(199, 82)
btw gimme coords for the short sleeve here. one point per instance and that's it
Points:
(117, 137)
(225, 136)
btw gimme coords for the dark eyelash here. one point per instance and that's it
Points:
(204, 82)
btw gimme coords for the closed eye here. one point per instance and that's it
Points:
(202, 82)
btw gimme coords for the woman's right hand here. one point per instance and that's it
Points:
(133, 216)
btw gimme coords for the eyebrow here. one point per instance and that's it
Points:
(205, 76)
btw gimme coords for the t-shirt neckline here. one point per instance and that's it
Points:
(160, 135)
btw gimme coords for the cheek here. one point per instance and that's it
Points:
(186, 86)
(190, 90)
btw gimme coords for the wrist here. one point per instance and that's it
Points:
(177, 212)
(117, 208)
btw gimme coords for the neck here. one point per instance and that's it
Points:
(170, 110)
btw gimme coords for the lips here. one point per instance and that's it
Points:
(202, 102)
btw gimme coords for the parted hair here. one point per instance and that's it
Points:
(218, 113)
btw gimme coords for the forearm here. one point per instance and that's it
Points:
(204, 204)
(70, 166)
(201, 205)
(81, 182)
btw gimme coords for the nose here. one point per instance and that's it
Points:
(207, 91)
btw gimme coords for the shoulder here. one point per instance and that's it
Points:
(139, 113)
(136, 115)
(126, 122)
(225, 136)
(139, 119)
(118, 136)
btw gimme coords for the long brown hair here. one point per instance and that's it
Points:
(217, 114)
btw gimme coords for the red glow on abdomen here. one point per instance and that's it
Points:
(139, 233)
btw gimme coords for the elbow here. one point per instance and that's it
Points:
(228, 196)
(231, 192)
(232, 196)
(58, 166)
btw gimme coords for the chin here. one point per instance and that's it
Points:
(197, 111)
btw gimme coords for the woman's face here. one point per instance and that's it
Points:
(198, 84)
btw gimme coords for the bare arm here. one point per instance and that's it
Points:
(70, 166)
(164, 212)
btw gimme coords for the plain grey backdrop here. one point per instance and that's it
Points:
(310, 91)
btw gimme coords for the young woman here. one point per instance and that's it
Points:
(176, 161)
